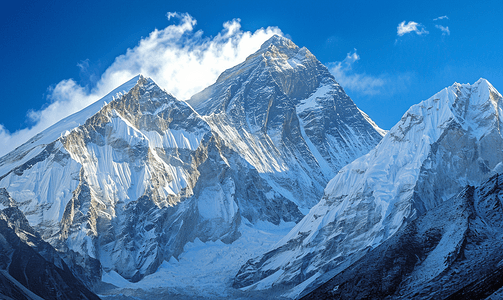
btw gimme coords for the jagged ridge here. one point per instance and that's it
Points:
(450, 252)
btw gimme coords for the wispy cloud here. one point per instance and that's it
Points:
(411, 26)
(65, 98)
(441, 18)
(363, 83)
(343, 73)
(445, 30)
(181, 60)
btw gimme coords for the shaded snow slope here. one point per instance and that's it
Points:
(36, 144)
(439, 146)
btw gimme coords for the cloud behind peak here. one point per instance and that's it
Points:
(181, 60)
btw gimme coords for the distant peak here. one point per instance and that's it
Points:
(482, 82)
(279, 42)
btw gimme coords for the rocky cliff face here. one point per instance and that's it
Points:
(440, 145)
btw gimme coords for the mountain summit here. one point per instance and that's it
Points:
(288, 117)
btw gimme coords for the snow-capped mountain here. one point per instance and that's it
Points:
(285, 114)
(127, 186)
(440, 145)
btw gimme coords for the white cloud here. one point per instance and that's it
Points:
(411, 26)
(362, 83)
(441, 18)
(179, 59)
(183, 61)
(445, 30)
(66, 98)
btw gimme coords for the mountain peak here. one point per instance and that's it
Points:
(279, 42)
(296, 72)
(144, 82)
(483, 82)
(276, 50)
(280, 95)
(476, 106)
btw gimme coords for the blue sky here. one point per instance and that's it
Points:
(388, 56)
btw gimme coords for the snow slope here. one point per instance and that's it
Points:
(36, 144)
